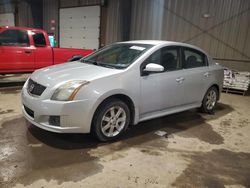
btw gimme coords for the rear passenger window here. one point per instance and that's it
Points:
(14, 37)
(193, 58)
(39, 39)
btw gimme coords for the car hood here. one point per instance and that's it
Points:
(56, 74)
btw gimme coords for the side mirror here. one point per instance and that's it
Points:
(152, 67)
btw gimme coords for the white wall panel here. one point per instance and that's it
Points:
(80, 23)
(7, 19)
(80, 27)
(76, 43)
(224, 34)
(88, 33)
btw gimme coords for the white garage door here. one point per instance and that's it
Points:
(7, 19)
(79, 27)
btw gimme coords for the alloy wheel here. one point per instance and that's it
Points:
(113, 121)
(211, 99)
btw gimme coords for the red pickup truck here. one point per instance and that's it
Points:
(27, 49)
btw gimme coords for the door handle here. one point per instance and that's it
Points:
(28, 51)
(207, 74)
(180, 79)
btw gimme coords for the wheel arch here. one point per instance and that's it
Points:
(124, 98)
(218, 89)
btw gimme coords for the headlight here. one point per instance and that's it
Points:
(68, 91)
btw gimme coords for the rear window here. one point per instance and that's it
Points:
(39, 39)
(194, 58)
(14, 37)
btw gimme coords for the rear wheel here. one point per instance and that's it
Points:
(111, 120)
(210, 100)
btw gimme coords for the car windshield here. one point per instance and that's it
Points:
(117, 56)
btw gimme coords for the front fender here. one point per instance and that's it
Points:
(117, 92)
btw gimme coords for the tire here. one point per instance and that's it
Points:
(110, 120)
(210, 100)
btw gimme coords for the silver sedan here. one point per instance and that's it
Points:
(120, 85)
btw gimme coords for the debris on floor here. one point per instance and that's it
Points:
(161, 133)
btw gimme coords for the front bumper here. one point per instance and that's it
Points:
(75, 116)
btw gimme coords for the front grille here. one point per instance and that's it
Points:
(29, 111)
(34, 88)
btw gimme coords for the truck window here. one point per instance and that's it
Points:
(39, 40)
(14, 37)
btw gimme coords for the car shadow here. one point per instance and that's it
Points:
(136, 134)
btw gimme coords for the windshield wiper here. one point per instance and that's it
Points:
(106, 65)
(98, 63)
(88, 61)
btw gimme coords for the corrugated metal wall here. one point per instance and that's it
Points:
(147, 19)
(221, 27)
(113, 26)
(51, 12)
(76, 3)
(24, 17)
(27, 13)
(7, 8)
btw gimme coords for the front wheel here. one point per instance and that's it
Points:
(210, 100)
(110, 120)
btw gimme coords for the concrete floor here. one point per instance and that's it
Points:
(199, 150)
(13, 78)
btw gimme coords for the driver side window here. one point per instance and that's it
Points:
(168, 57)
(14, 37)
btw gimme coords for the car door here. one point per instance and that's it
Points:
(160, 91)
(16, 54)
(43, 51)
(196, 75)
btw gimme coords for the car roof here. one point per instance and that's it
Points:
(21, 28)
(162, 42)
(152, 42)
